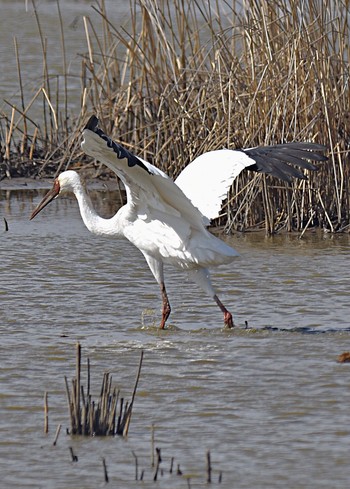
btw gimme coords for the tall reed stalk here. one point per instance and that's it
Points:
(184, 77)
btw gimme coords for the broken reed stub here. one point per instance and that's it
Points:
(109, 415)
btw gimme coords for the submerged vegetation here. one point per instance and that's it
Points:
(182, 77)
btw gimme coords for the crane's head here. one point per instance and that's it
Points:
(65, 182)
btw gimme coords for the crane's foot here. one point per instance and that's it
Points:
(165, 314)
(228, 320)
(166, 309)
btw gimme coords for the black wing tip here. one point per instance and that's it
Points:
(281, 160)
(121, 152)
(92, 123)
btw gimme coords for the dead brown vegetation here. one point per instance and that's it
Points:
(185, 77)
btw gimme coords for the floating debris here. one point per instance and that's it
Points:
(344, 357)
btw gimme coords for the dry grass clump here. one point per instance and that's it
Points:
(185, 77)
(109, 415)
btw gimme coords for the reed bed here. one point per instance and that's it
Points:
(183, 77)
(108, 416)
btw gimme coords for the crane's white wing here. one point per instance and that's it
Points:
(208, 178)
(141, 179)
(158, 218)
(198, 192)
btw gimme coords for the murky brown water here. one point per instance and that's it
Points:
(272, 405)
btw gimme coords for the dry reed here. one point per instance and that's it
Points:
(110, 415)
(185, 77)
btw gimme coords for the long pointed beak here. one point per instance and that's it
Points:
(51, 194)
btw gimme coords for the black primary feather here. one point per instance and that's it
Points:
(92, 125)
(276, 160)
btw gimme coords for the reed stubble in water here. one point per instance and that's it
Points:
(46, 413)
(110, 415)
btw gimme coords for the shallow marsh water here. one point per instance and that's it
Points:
(18, 21)
(271, 403)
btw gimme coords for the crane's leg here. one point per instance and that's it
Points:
(156, 267)
(166, 309)
(202, 277)
(228, 320)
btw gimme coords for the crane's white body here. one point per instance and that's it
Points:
(166, 220)
(158, 218)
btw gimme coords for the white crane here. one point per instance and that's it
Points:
(166, 220)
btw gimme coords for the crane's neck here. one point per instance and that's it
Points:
(95, 223)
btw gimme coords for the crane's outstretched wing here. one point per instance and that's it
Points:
(204, 182)
(276, 160)
(146, 185)
(208, 178)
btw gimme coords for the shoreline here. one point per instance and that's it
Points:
(27, 183)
